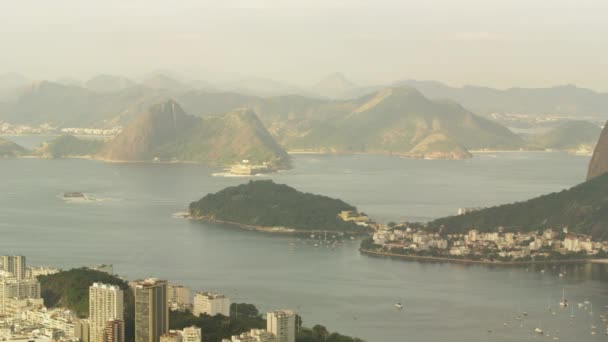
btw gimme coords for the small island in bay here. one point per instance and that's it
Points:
(269, 207)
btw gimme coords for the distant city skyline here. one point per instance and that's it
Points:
(497, 44)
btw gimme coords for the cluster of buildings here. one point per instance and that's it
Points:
(12, 129)
(23, 315)
(500, 245)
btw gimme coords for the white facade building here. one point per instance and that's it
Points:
(105, 304)
(211, 304)
(282, 323)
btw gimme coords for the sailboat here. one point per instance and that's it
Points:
(564, 302)
(539, 330)
(572, 313)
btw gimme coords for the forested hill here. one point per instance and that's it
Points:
(10, 149)
(583, 209)
(267, 204)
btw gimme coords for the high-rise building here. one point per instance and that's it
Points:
(211, 304)
(179, 296)
(106, 304)
(151, 310)
(192, 334)
(114, 331)
(15, 264)
(282, 323)
(81, 330)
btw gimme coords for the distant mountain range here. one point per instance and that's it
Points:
(567, 100)
(166, 133)
(392, 120)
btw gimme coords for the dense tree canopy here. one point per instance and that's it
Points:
(583, 209)
(265, 203)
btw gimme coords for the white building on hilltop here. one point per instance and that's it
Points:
(211, 304)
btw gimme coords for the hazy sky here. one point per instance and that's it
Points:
(485, 42)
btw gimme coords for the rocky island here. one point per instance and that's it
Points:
(269, 207)
(165, 133)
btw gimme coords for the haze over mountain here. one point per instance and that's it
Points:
(338, 86)
(567, 100)
(165, 132)
(108, 83)
(397, 120)
(599, 161)
(394, 120)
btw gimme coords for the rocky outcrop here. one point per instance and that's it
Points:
(599, 161)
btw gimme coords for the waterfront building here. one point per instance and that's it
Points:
(114, 331)
(105, 304)
(151, 310)
(211, 304)
(15, 264)
(282, 323)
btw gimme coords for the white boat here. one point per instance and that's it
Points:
(538, 331)
(572, 313)
(398, 305)
(564, 302)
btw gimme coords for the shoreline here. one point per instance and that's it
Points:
(264, 229)
(477, 262)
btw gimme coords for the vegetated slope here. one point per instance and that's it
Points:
(583, 209)
(399, 120)
(570, 135)
(10, 149)
(267, 204)
(69, 146)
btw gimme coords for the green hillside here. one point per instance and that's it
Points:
(70, 289)
(69, 146)
(267, 204)
(570, 135)
(583, 209)
(10, 149)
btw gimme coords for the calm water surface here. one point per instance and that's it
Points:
(131, 226)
